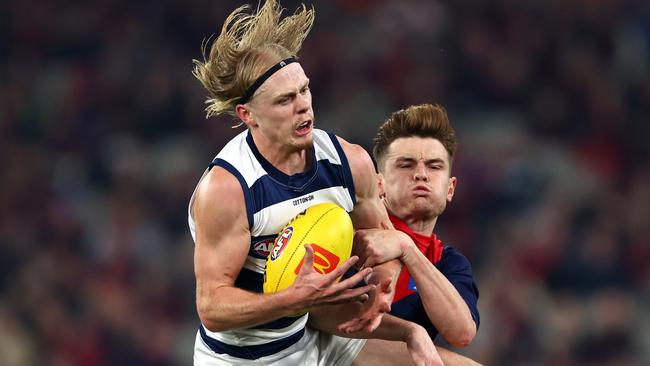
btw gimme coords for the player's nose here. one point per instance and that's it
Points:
(303, 103)
(420, 172)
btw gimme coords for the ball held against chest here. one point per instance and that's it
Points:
(327, 227)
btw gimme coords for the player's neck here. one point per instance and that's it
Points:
(287, 161)
(421, 225)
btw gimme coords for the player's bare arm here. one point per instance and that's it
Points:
(222, 242)
(381, 341)
(443, 304)
(369, 212)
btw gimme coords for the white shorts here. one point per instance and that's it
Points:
(313, 349)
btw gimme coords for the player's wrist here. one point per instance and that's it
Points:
(412, 331)
(407, 247)
(289, 303)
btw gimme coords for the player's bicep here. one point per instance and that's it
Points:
(458, 270)
(221, 229)
(369, 212)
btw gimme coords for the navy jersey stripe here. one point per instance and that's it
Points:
(247, 196)
(294, 181)
(250, 280)
(251, 352)
(279, 323)
(261, 246)
(345, 168)
(266, 191)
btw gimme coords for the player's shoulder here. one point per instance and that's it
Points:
(452, 259)
(348, 146)
(357, 156)
(219, 191)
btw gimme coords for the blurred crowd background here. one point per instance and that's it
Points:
(103, 137)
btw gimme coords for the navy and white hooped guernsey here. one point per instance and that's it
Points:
(273, 199)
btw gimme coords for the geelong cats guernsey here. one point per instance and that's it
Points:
(272, 200)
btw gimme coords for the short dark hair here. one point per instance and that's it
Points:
(424, 120)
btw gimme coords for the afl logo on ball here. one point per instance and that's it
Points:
(281, 243)
(263, 248)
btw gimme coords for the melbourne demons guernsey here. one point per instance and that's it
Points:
(407, 303)
(272, 200)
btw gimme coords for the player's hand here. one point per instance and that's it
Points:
(376, 246)
(312, 288)
(372, 310)
(421, 348)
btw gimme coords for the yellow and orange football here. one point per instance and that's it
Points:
(327, 227)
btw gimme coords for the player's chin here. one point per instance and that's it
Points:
(304, 142)
(423, 208)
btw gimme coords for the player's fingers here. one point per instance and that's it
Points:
(352, 293)
(385, 285)
(373, 324)
(363, 298)
(354, 279)
(369, 262)
(344, 267)
(355, 325)
(359, 294)
(308, 260)
(349, 326)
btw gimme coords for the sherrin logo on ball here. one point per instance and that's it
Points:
(327, 227)
(324, 260)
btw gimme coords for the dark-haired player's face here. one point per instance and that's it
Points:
(282, 110)
(416, 181)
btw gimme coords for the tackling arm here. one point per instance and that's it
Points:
(443, 304)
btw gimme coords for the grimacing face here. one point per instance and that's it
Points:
(415, 180)
(280, 114)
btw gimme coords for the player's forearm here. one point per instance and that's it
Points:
(454, 359)
(327, 319)
(391, 328)
(229, 307)
(446, 309)
(390, 269)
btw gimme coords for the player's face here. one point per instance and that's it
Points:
(416, 181)
(281, 111)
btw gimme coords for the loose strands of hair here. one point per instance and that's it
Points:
(223, 73)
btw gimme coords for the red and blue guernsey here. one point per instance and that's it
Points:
(407, 303)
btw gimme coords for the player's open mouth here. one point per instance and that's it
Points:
(304, 128)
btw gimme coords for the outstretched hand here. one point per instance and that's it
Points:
(314, 289)
(371, 311)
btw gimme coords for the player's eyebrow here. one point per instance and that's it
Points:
(409, 159)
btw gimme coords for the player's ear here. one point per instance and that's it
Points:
(245, 115)
(452, 188)
(380, 185)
